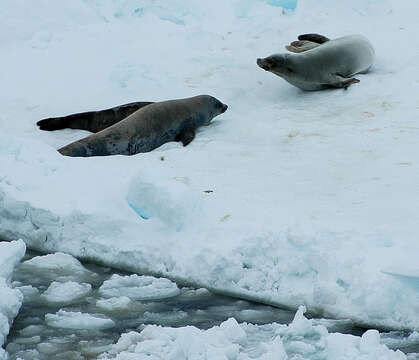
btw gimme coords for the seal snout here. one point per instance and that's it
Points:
(224, 108)
(264, 64)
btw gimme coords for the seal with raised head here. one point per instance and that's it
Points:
(150, 127)
(319, 63)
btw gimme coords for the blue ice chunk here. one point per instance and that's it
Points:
(285, 4)
(138, 210)
(243, 7)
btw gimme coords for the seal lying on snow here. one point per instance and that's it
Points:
(321, 63)
(149, 127)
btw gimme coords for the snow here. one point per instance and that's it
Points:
(138, 287)
(10, 299)
(299, 340)
(288, 198)
(78, 321)
(65, 293)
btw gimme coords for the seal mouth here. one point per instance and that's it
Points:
(264, 64)
(224, 108)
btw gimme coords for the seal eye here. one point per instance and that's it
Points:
(289, 69)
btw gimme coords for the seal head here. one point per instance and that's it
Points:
(212, 107)
(278, 64)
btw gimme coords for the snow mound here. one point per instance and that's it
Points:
(10, 299)
(77, 321)
(65, 293)
(299, 340)
(138, 287)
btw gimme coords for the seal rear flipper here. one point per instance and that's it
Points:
(93, 121)
(316, 38)
(343, 82)
(51, 124)
(186, 136)
(301, 46)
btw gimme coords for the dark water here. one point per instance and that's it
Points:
(31, 337)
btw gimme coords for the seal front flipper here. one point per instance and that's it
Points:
(343, 82)
(186, 136)
(317, 38)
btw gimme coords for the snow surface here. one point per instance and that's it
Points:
(138, 287)
(288, 198)
(299, 340)
(10, 299)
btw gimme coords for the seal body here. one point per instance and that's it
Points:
(331, 63)
(150, 127)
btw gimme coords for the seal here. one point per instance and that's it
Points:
(322, 63)
(150, 127)
(92, 121)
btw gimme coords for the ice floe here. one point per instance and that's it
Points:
(77, 320)
(138, 287)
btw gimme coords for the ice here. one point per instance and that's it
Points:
(286, 4)
(60, 267)
(31, 330)
(30, 293)
(65, 293)
(138, 287)
(231, 340)
(114, 303)
(77, 320)
(288, 198)
(10, 299)
(170, 200)
(173, 317)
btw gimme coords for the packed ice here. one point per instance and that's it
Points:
(10, 299)
(289, 198)
(231, 340)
